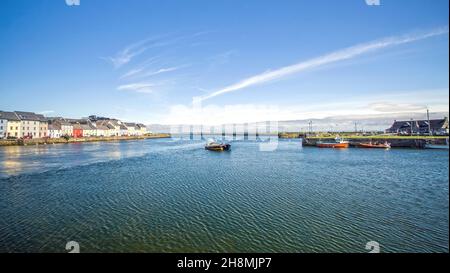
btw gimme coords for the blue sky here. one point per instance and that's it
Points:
(146, 60)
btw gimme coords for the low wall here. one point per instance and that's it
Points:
(395, 142)
(44, 141)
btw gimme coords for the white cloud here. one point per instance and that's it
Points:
(157, 72)
(138, 87)
(333, 57)
(396, 104)
(396, 107)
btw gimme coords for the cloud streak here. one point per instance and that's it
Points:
(140, 87)
(340, 55)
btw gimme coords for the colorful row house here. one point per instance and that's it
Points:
(27, 125)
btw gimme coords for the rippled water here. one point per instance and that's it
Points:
(173, 196)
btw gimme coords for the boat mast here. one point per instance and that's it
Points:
(429, 124)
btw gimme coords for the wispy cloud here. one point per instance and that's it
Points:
(333, 57)
(140, 87)
(125, 55)
(140, 68)
(159, 71)
(396, 107)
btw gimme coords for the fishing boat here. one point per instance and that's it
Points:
(375, 145)
(212, 145)
(338, 144)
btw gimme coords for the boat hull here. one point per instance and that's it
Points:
(433, 146)
(333, 145)
(374, 146)
(218, 147)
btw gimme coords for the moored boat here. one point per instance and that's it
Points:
(338, 144)
(375, 145)
(429, 145)
(435, 146)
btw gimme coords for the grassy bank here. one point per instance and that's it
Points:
(42, 141)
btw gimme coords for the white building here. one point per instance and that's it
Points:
(30, 124)
(54, 131)
(66, 128)
(3, 125)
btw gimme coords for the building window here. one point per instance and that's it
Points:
(17, 128)
(15, 134)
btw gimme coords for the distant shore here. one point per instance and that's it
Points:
(45, 141)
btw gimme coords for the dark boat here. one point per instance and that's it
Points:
(218, 147)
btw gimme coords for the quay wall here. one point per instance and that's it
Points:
(44, 141)
(395, 142)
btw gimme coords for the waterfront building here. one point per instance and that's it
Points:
(13, 128)
(54, 130)
(30, 125)
(141, 128)
(102, 131)
(43, 126)
(77, 130)
(66, 128)
(116, 127)
(420, 127)
(123, 130)
(3, 125)
(110, 128)
(89, 130)
(131, 127)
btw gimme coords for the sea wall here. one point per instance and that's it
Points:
(406, 142)
(44, 141)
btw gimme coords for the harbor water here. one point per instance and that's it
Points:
(164, 195)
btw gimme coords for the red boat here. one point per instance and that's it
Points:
(338, 144)
(375, 145)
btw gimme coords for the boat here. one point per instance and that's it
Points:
(338, 144)
(371, 144)
(218, 147)
(429, 145)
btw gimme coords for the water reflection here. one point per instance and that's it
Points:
(15, 160)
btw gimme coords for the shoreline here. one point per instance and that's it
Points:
(43, 141)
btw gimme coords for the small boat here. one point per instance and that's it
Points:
(218, 147)
(338, 144)
(371, 144)
(429, 145)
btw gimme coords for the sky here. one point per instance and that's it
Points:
(224, 61)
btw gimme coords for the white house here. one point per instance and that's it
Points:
(66, 128)
(89, 130)
(30, 124)
(131, 128)
(3, 125)
(54, 130)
